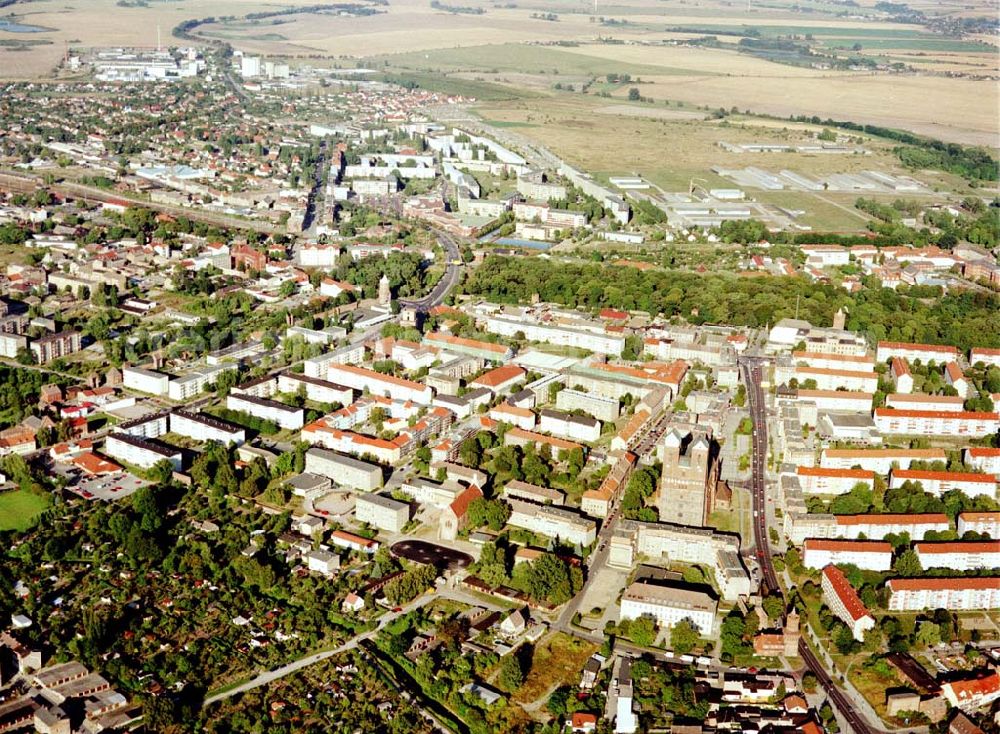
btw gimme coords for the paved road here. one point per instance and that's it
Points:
(448, 281)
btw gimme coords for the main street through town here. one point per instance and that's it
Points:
(752, 370)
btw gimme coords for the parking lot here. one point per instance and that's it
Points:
(109, 487)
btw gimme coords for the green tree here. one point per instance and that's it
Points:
(511, 675)
(684, 636)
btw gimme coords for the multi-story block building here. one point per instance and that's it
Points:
(487, 351)
(575, 427)
(870, 555)
(568, 336)
(880, 461)
(194, 383)
(552, 522)
(961, 555)
(983, 458)
(952, 593)
(319, 366)
(844, 602)
(346, 471)
(820, 480)
(285, 416)
(912, 352)
(359, 378)
(669, 605)
(799, 526)
(939, 482)
(381, 512)
(979, 522)
(601, 407)
(936, 422)
(52, 346)
(150, 382)
(919, 401)
(140, 452)
(317, 390)
(203, 427)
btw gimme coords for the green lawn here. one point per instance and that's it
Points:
(18, 508)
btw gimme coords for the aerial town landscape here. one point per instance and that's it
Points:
(401, 366)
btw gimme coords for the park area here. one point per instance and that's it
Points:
(19, 508)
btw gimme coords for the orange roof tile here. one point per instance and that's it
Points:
(845, 592)
(954, 583)
(499, 376)
(819, 471)
(856, 546)
(944, 476)
(893, 519)
(968, 415)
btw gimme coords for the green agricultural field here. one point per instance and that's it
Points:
(19, 508)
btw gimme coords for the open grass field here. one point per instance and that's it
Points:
(19, 508)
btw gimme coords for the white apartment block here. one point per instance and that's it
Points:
(819, 480)
(919, 401)
(826, 255)
(148, 426)
(318, 256)
(837, 400)
(829, 361)
(262, 387)
(195, 382)
(358, 444)
(899, 371)
(346, 471)
(283, 415)
(319, 366)
(381, 512)
(139, 452)
(426, 492)
(11, 344)
(827, 379)
(983, 459)
(552, 522)
(970, 555)
(939, 482)
(668, 606)
(325, 337)
(359, 378)
(317, 390)
(565, 336)
(601, 407)
(146, 381)
(979, 522)
(989, 357)
(843, 601)
(507, 413)
(911, 352)
(800, 526)
(870, 555)
(936, 423)
(566, 425)
(203, 427)
(880, 461)
(953, 594)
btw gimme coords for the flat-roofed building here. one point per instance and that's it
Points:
(140, 379)
(319, 366)
(601, 407)
(567, 336)
(317, 390)
(382, 512)
(939, 482)
(202, 427)
(195, 382)
(346, 471)
(285, 416)
(552, 522)
(951, 593)
(960, 555)
(844, 602)
(669, 605)
(799, 526)
(52, 346)
(838, 400)
(870, 555)
(141, 452)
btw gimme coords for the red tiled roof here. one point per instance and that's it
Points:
(890, 519)
(944, 476)
(845, 592)
(968, 415)
(965, 690)
(857, 546)
(922, 347)
(499, 376)
(956, 583)
(460, 505)
(819, 471)
(960, 546)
